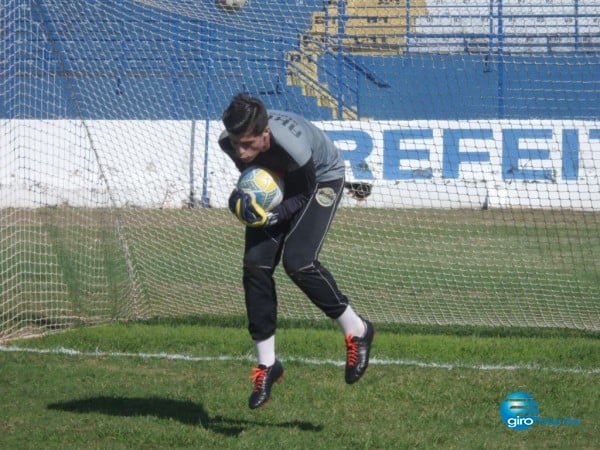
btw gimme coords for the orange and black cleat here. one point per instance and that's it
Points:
(263, 378)
(357, 354)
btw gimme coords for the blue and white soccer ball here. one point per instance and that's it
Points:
(263, 185)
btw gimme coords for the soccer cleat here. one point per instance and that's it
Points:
(357, 353)
(263, 378)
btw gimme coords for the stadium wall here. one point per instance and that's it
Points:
(429, 87)
(497, 164)
(105, 66)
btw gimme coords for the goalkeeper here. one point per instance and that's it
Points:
(293, 232)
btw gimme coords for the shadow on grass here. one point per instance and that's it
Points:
(186, 412)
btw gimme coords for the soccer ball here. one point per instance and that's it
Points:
(231, 5)
(263, 185)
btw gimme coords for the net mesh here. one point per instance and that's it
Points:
(470, 131)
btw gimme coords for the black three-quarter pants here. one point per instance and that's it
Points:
(297, 244)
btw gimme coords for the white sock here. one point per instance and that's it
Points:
(265, 351)
(351, 323)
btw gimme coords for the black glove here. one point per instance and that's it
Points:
(250, 213)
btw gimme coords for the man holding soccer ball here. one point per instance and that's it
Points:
(292, 232)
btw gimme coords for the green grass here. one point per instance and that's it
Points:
(426, 388)
(421, 275)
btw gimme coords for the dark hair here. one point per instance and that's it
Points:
(245, 115)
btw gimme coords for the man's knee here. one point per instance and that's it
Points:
(294, 265)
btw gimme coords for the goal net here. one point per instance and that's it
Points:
(470, 131)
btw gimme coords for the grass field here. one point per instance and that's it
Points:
(520, 268)
(183, 384)
(470, 306)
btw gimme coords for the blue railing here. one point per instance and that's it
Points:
(478, 25)
(474, 58)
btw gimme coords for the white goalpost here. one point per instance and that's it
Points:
(471, 133)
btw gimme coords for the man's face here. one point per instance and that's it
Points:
(250, 145)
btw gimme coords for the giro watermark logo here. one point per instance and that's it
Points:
(520, 411)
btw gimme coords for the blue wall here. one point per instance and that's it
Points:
(478, 86)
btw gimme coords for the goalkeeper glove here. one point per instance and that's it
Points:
(250, 213)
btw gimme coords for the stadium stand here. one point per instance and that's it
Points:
(398, 59)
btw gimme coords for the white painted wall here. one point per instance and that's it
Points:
(147, 163)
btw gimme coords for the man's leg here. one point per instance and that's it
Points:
(261, 256)
(300, 259)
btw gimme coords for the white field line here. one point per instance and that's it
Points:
(310, 361)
